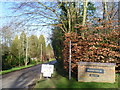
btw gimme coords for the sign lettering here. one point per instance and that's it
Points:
(93, 75)
(94, 70)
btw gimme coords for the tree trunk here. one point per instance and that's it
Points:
(69, 20)
(104, 10)
(119, 22)
(19, 59)
(41, 53)
(84, 14)
(119, 12)
(105, 17)
(26, 61)
(85, 11)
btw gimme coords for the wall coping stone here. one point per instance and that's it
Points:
(96, 64)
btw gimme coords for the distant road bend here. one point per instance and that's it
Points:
(22, 78)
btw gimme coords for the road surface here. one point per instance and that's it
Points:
(22, 78)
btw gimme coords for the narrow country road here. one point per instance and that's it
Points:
(22, 78)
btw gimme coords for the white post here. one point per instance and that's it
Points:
(70, 61)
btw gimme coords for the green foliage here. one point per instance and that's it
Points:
(5, 49)
(91, 9)
(49, 51)
(33, 46)
(15, 46)
(6, 63)
(42, 45)
(15, 54)
(21, 60)
(57, 43)
(22, 44)
(10, 60)
(33, 62)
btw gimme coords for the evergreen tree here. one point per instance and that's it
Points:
(23, 46)
(33, 46)
(15, 45)
(49, 51)
(42, 48)
(15, 51)
(57, 43)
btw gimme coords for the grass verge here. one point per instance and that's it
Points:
(52, 59)
(15, 68)
(21, 67)
(60, 80)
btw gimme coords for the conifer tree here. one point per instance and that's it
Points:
(23, 46)
(33, 46)
(42, 48)
(49, 51)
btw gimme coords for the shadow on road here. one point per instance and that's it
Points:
(26, 77)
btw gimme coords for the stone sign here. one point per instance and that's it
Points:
(47, 70)
(96, 72)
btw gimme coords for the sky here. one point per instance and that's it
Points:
(5, 11)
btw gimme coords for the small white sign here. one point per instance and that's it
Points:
(47, 70)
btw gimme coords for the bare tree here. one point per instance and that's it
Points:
(7, 33)
(40, 12)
